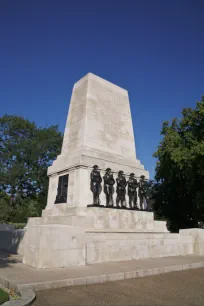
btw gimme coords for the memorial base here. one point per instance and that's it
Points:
(95, 235)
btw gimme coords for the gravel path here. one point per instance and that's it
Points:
(185, 288)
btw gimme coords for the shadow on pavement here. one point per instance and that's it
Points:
(6, 259)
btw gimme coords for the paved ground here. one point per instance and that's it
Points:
(12, 269)
(185, 288)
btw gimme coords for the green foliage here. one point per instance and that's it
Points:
(23, 209)
(179, 192)
(17, 225)
(25, 153)
(4, 207)
(4, 297)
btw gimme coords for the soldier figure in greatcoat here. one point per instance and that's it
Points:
(96, 185)
(108, 186)
(120, 190)
(132, 191)
(143, 192)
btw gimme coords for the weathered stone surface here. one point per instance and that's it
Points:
(27, 296)
(99, 119)
(103, 235)
(196, 235)
(54, 245)
(98, 131)
(109, 246)
(102, 218)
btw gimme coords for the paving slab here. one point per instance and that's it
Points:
(13, 270)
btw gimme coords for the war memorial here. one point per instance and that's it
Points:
(97, 210)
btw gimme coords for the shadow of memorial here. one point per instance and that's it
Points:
(10, 240)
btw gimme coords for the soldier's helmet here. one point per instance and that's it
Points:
(120, 172)
(95, 167)
(108, 169)
(132, 174)
(142, 176)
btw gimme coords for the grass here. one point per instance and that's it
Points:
(4, 297)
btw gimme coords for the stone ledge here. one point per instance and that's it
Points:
(85, 160)
(27, 296)
(126, 231)
(96, 279)
(26, 299)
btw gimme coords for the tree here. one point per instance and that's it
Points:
(25, 153)
(5, 208)
(180, 169)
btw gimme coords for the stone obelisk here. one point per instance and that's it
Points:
(98, 131)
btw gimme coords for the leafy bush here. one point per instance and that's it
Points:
(17, 225)
(4, 297)
(5, 208)
(19, 210)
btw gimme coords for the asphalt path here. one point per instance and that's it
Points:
(185, 288)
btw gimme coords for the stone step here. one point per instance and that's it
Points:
(62, 220)
(135, 231)
(24, 277)
(102, 219)
(107, 246)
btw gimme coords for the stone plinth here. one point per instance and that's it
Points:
(94, 235)
(102, 218)
(198, 239)
(54, 245)
(107, 218)
(114, 246)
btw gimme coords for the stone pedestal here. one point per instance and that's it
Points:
(107, 219)
(54, 245)
(95, 235)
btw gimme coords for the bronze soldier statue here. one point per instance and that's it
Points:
(108, 186)
(121, 192)
(143, 192)
(132, 191)
(96, 185)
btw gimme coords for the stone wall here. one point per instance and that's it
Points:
(197, 234)
(54, 245)
(63, 241)
(106, 247)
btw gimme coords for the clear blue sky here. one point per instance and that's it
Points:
(154, 49)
